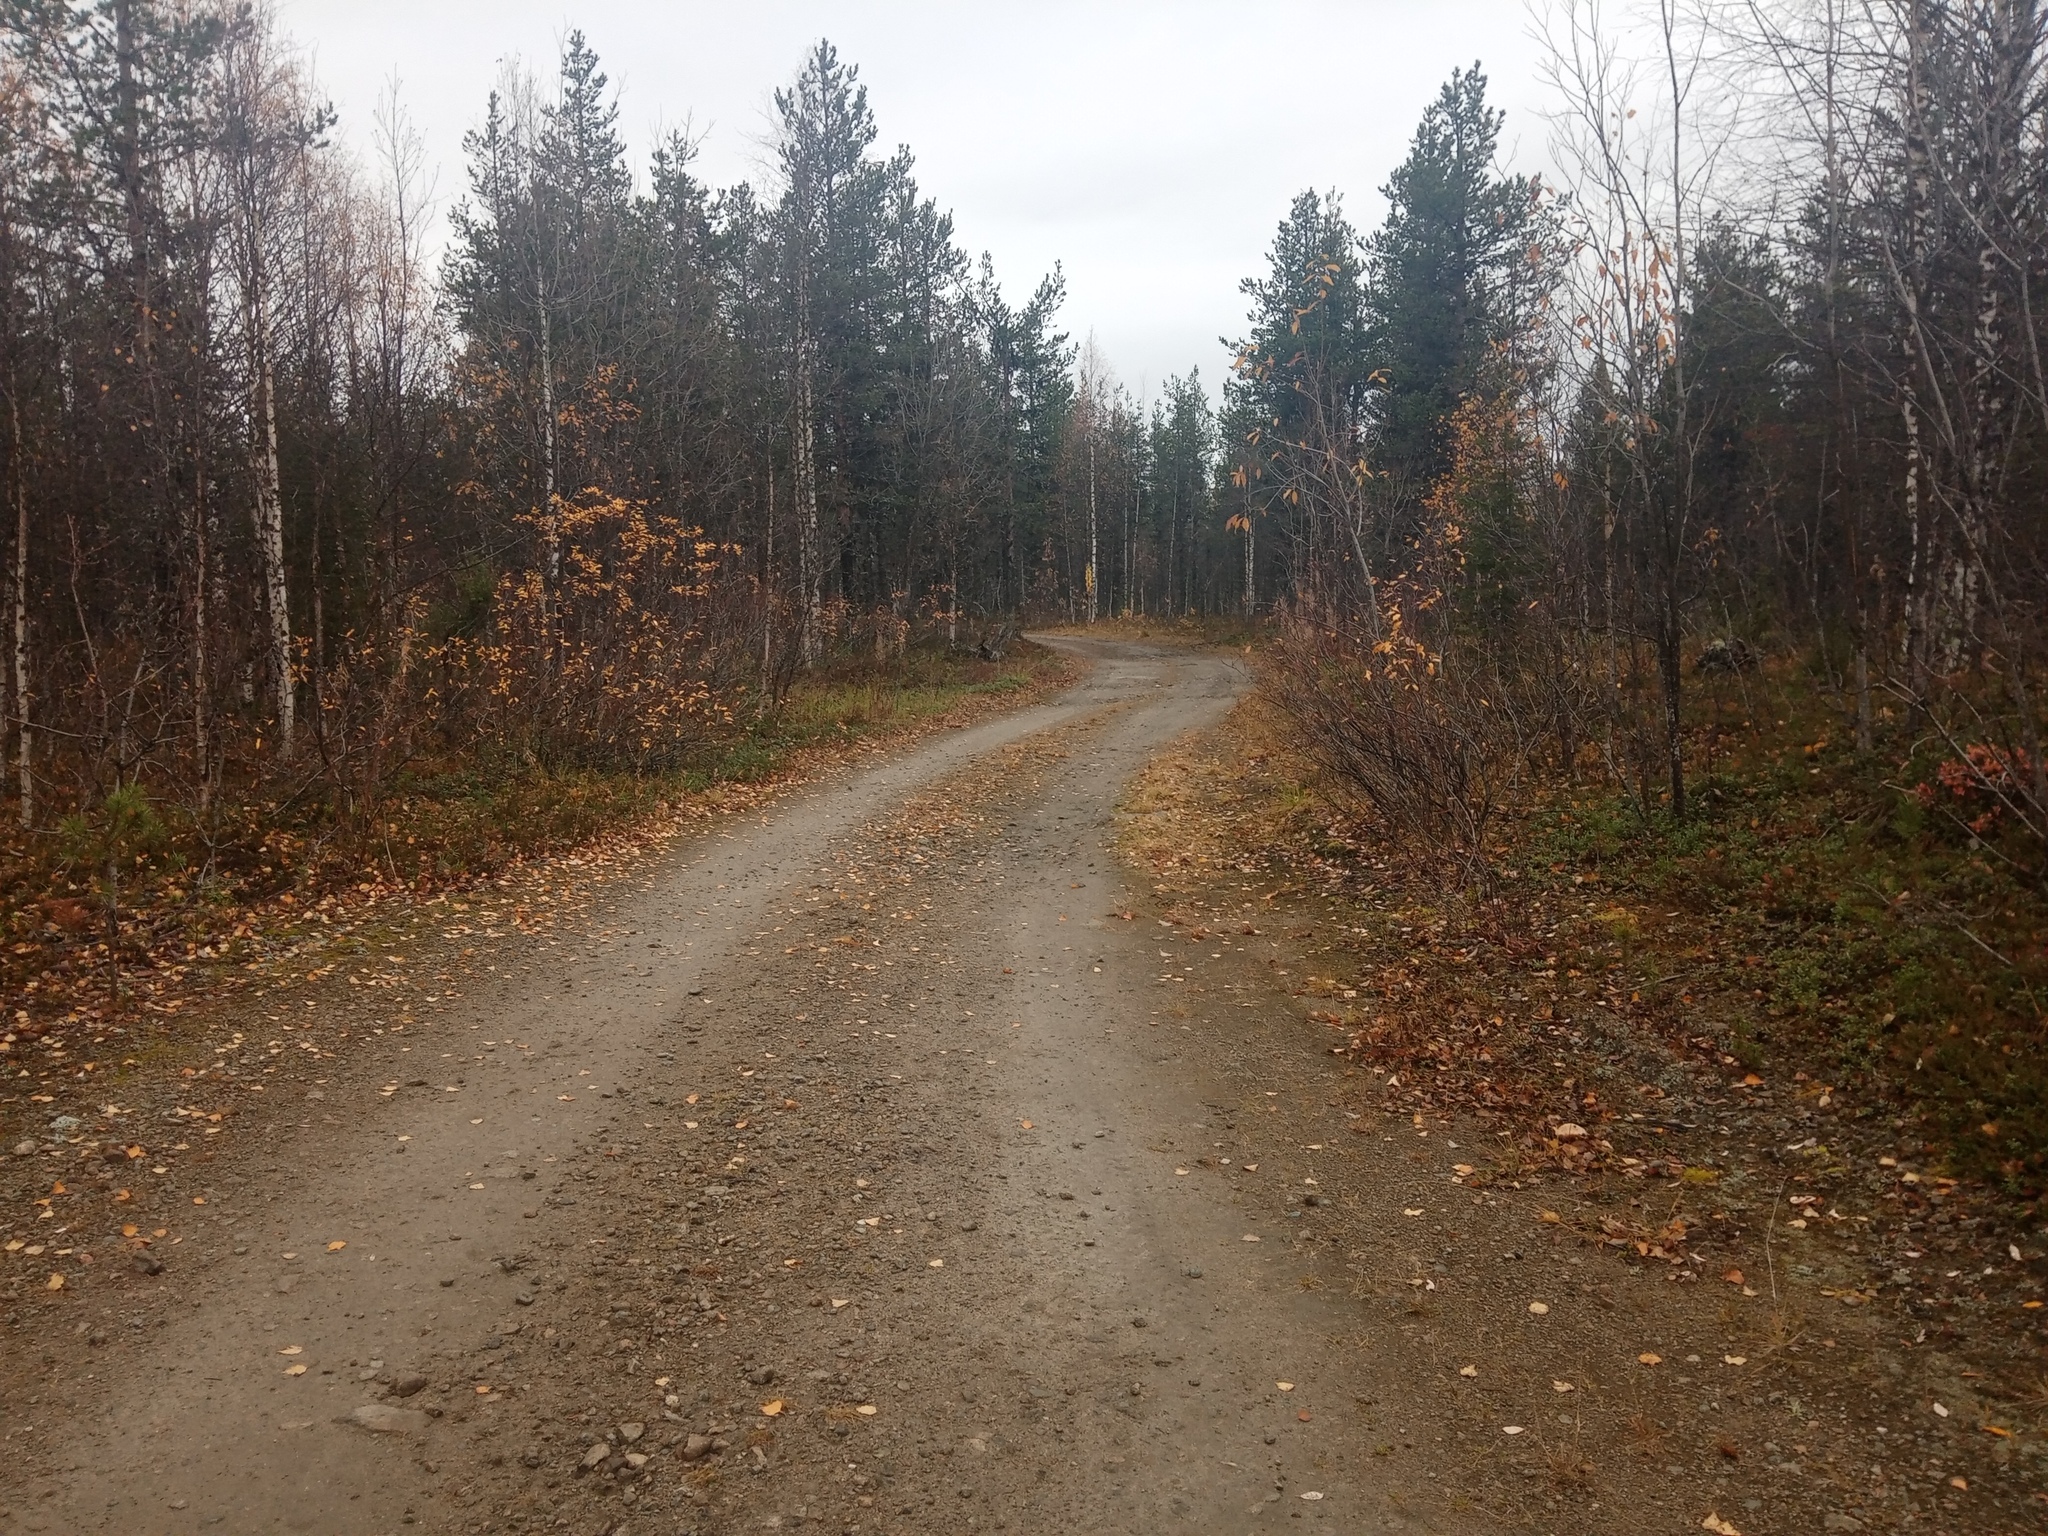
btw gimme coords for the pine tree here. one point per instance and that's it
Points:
(1444, 276)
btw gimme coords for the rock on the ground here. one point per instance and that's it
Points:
(384, 1419)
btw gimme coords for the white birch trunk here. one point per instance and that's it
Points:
(269, 509)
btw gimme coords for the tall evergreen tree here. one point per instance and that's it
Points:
(1445, 276)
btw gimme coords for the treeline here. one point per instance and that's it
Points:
(1761, 377)
(299, 500)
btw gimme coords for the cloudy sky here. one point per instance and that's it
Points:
(1149, 145)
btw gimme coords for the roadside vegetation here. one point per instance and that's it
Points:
(1666, 536)
(190, 901)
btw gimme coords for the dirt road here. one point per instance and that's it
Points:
(887, 1161)
(876, 1110)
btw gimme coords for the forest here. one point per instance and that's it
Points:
(298, 503)
(1712, 454)
(1674, 524)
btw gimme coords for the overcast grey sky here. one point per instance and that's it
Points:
(1149, 145)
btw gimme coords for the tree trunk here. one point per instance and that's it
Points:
(196, 656)
(1088, 580)
(269, 509)
(24, 737)
(804, 466)
(1251, 590)
(550, 514)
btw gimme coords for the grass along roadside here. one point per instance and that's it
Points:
(199, 920)
(1677, 1111)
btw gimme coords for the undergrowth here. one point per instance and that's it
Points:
(1819, 915)
(178, 877)
(1814, 913)
(1186, 629)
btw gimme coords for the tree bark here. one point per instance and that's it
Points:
(1088, 580)
(269, 508)
(804, 467)
(24, 736)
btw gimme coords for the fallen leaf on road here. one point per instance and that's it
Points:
(1562, 1386)
(771, 1409)
(337, 1245)
(841, 1301)
(1181, 1171)
(1540, 1308)
(935, 1264)
(1304, 1416)
(1718, 1526)
(1940, 1411)
(1735, 1359)
(566, 1098)
(1027, 1125)
(1733, 1277)
(867, 1410)
(1960, 1482)
(1646, 1358)
(1284, 1386)
(295, 1370)
(1469, 1370)
(1550, 1216)
(1311, 1496)
(291, 1349)
(1412, 1210)
(1511, 1429)
(1249, 1238)
(55, 1283)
